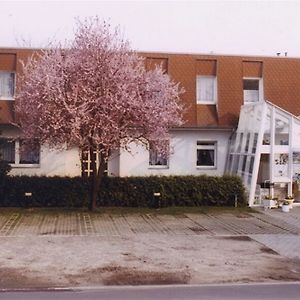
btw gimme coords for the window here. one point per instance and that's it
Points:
(206, 154)
(7, 85)
(7, 150)
(206, 89)
(252, 90)
(16, 153)
(29, 155)
(156, 158)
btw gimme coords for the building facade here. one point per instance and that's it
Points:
(226, 97)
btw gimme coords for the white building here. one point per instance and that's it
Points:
(229, 127)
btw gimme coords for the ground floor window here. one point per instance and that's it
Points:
(156, 158)
(206, 154)
(16, 152)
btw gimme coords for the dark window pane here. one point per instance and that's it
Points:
(251, 84)
(205, 157)
(7, 150)
(156, 158)
(203, 143)
(29, 154)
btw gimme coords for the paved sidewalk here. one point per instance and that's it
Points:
(28, 223)
(287, 245)
(273, 228)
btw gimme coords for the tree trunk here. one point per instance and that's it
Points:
(97, 176)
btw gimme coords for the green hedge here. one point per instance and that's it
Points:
(128, 191)
(46, 192)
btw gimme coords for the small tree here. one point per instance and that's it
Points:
(96, 94)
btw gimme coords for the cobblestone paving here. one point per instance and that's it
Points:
(287, 245)
(272, 228)
(272, 222)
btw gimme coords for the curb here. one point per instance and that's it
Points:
(141, 287)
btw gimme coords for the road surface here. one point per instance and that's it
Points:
(282, 291)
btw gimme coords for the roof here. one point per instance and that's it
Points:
(280, 75)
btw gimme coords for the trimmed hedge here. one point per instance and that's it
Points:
(46, 192)
(126, 192)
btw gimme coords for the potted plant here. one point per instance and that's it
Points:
(290, 199)
(285, 206)
(269, 202)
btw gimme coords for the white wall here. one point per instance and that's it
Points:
(52, 162)
(113, 166)
(182, 161)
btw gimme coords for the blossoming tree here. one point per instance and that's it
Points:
(96, 94)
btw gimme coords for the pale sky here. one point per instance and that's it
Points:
(220, 27)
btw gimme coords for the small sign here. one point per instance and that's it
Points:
(28, 194)
(156, 194)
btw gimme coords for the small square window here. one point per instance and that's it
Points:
(206, 90)
(206, 154)
(7, 85)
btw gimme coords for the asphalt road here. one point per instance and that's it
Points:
(276, 291)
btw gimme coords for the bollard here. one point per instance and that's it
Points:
(27, 195)
(156, 198)
(235, 200)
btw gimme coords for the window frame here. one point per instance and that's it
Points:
(165, 166)
(205, 146)
(14, 88)
(215, 92)
(17, 163)
(260, 89)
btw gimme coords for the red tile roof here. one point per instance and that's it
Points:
(281, 81)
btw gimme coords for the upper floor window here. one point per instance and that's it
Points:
(206, 89)
(206, 154)
(252, 90)
(156, 158)
(7, 85)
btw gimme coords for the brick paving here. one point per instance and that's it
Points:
(287, 245)
(273, 228)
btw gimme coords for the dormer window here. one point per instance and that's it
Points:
(206, 89)
(7, 85)
(252, 90)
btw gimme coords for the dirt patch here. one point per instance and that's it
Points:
(130, 276)
(237, 238)
(284, 270)
(244, 216)
(197, 229)
(117, 275)
(268, 250)
(11, 278)
(155, 258)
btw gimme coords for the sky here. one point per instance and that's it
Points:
(213, 27)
